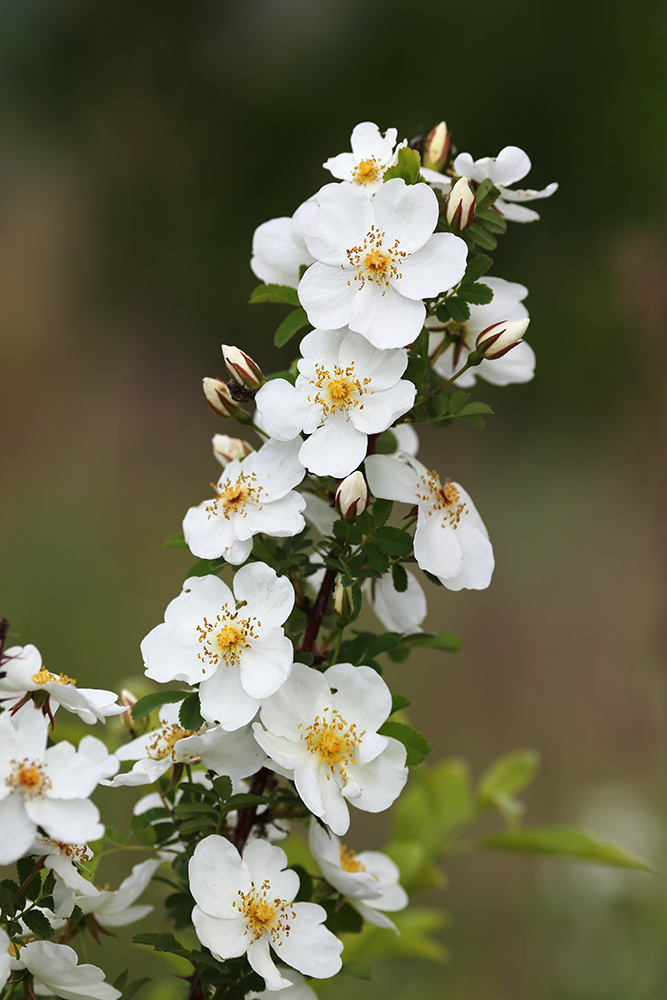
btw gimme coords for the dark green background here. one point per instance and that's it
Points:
(140, 145)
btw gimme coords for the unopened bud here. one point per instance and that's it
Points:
(227, 449)
(352, 496)
(128, 700)
(242, 368)
(436, 147)
(499, 338)
(460, 205)
(342, 600)
(219, 397)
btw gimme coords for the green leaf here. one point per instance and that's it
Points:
(301, 656)
(478, 294)
(200, 568)
(471, 408)
(143, 831)
(203, 810)
(393, 541)
(376, 560)
(356, 969)
(223, 787)
(149, 939)
(477, 266)
(342, 920)
(243, 800)
(381, 510)
(457, 401)
(305, 893)
(189, 715)
(399, 578)
(416, 745)
(38, 924)
(508, 775)
(438, 800)
(167, 942)
(134, 988)
(399, 701)
(486, 194)
(446, 641)
(408, 167)
(483, 237)
(457, 309)
(293, 322)
(176, 541)
(274, 293)
(146, 704)
(380, 644)
(195, 825)
(564, 843)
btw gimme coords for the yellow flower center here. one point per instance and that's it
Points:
(368, 171)
(445, 498)
(264, 914)
(225, 638)
(339, 390)
(374, 262)
(348, 860)
(46, 677)
(334, 740)
(165, 739)
(79, 853)
(28, 778)
(233, 495)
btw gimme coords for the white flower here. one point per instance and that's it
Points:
(320, 514)
(244, 905)
(23, 671)
(47, 787)
(235, 754)
(55, 970)
(64, 860)
(518, 365)
(5, 958)
(279, 250)
(372, 153)
(346, 390)
(369, 878)
(299, 990)
(399, 611)
(406, 438)
(321, 730)
(226, 449)
(239, 654)
(510, 165)
(450, 539)
(115, 909)
(376, 259)
(251, 496)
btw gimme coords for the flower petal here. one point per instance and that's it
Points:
(405, 212)
(327, 294)
(392, 479)
(440, 264)
(310, 948)
(385, 317)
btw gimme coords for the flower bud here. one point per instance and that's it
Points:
(242, 368)
(226, 449)
(128, 700)
(436, 147)
(460, 205)
(499, 338)
(219, 397)
(342, 600)
(352, 496)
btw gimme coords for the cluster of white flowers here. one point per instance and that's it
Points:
(267, 697)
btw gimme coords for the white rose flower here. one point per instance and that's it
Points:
(346, 390)
(56, 972)
(510, 165)
(406, 438)
(279, 250)
(251, 496)
(5, 958)
(321, 731)
(518, 365)
(47, 787)
(244, 905)
(64, 860)
(116, 909)
(239, 654)
(399, 611)
(235, 754)
(372, 153)
(370, 879)
(376, 259)
(320, 514)
(451, 540)
(23, 671)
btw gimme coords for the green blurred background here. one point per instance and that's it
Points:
(141, 144)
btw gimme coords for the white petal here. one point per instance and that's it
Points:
(310, 948)
(18, 830)
(216, 874)
(392, 479)
(335, 449)
(529, 194)
(383, 367)
(73, 822)
(515, 213)
(517, 366)
(374, 917)
(341, 166)
(327, 294)
(276, 257)
(399, 612)
(405, 212)
(270, 598)
(478, 561)
(282, 409)
(267, 664)
(436, 545)
(277, 467)
(225, 938)
(385, 317)
(279, 518)
(383, 780)
(361, 695)
(440, 264)
(260, 960)
(335, 812)
(236, 754)
(224, 700)
(382, 408)
(338, 221)
(367, 141)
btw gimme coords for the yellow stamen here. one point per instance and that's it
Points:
(340, 390)
(444, 498)
(233, 495)
(368, 171)
(334, 740)
(46, 677)
(28, 778)
(374, 262)
(264, 914)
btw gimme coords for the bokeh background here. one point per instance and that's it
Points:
(141, 143)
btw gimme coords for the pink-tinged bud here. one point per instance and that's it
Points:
(226, 449)
(460, 205)
(242, 368)
(352, 496)
(342, 599)
(219, 397)
(436, 147)
(499, 338)
(128, 700)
